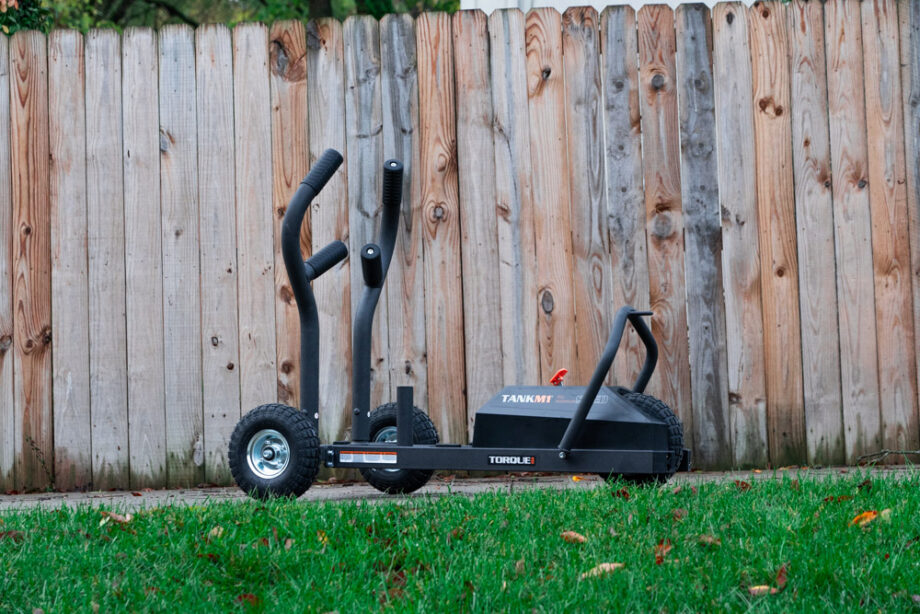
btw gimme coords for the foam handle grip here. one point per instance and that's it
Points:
(371, 266)
(325, 259)
(392, 183)
(323, 170)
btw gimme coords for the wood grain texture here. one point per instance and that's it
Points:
(364, 142)
(181, 272)
(776, 212)
(702, 238)
(479, 237)
(909, 18)
(143, 259)
(69, 276)
(254, 220)
(290, 164)
(664, 221)
(588, 207)
(890, 226)
(747, 394)
(7, 413)
(514, 198)
(329, 221)
(220, 354)
(441, 227)
(815, 229)
(551, 194)
(29, 171)
(106, 247)
(405, 291)
(623, 167)
(852, 229)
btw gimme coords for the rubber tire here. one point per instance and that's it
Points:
(658, 410)
(401, 481)
(303, 442)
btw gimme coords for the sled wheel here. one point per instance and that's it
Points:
(383, 429)
(274, 452)
(656, 409)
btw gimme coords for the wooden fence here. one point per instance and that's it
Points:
(750, 174)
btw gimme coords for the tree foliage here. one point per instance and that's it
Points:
(86, 14)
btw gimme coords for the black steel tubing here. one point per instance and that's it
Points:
(364, 315)
(405, 421)
(298, 275)
(625, 314)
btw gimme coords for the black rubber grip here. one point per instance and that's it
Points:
(371, 266)
(323, 170)
(325, 259)
(392, 183)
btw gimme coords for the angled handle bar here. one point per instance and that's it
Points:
(375, 261)
(625, 314)
(301, 273)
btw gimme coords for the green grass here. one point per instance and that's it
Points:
(492, 552)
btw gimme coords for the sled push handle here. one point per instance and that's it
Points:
(624, 315)
(301, 272)
(375, 262)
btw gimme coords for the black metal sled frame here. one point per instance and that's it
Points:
(360, 452)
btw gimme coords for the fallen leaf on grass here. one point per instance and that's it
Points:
(209, 555)
(781, 576)
(574, 538)
(709, 540)
(288, 543)
(15, 536)
(601, 570)
(215, 533)
(248, 598)
(863, 519)
(621, 494)
(107, 516)
(763, 589)
(677, 490)
(662, 550)
(885, 514)
(839, 499)
(680, 513)
(742, 485)
(322, 537)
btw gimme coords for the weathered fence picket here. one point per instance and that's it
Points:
(733, 93)
(664, 219)
(776, 217)
(814, 216)
(221, 363)
(69, 284)
(890, 232)
(143, 259)
(181, 270)
(852, 229)
(30, 240)
(746, 173)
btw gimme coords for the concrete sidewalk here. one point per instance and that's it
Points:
(438, 486)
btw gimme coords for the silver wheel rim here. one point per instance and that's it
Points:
(268, 454)
(386, 435)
